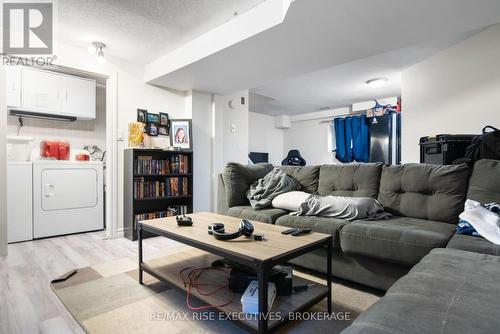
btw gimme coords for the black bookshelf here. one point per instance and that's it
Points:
(155, 180)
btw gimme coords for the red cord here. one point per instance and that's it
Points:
(192, 282)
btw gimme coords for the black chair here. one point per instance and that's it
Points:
(293, 159)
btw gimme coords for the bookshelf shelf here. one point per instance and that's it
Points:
(155, 181)
(162, 175)
(161, 198)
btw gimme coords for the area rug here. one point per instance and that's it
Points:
(107, 298)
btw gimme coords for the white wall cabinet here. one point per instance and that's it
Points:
(19, 201)
(13, 86)
(46, 92)
(78, 97)
(40, 91)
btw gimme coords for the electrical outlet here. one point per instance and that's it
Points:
(119, 135)
(233, 128)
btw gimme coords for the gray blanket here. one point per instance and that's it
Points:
(276, 182)
(348, 208)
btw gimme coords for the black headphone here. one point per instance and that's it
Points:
(217, 230)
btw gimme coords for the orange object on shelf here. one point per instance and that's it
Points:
(54, 149)
(82, 157)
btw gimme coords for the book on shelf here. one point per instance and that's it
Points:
(179, 210)
(176, 164)
(171, 187)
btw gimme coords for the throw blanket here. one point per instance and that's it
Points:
(348, 208)
(276, 182)
(484, 220)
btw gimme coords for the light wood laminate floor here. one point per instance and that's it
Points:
(27, 303)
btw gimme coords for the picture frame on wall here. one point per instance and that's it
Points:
(153, 118)
(141, 115)
(152, 129)
(163, 119)
(180, 133)
(163, 130)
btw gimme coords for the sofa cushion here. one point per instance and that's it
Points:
(268, 215)
(430, 192)
(484, 183)
(238, 178)
(307, 176)
(353, 180)
(324, 225)
(401, 240)
(473, 244)
(449, 291)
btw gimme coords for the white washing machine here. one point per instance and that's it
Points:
(67, 197)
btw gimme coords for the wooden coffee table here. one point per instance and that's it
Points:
(275, 249)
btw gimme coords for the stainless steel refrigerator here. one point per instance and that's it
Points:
(385, 138)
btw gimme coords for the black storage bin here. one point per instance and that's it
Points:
(443, 149)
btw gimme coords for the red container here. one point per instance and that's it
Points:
(53, 149)
(82, 157)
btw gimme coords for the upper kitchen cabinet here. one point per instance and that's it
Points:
(50, 93)
(41, 91)
(13, 86)
(78, 97)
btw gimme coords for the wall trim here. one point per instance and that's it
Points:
(112, 156)
(3, 166)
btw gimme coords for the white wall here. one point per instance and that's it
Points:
(311, 134)
(231, 146)
(131, 93)
(264, 137)
(201, 107)
(456, 91)
(3, 166)
(311, 138)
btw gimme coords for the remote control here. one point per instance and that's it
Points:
(301, 232)
(290, 230)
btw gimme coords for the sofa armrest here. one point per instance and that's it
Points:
(222, 206)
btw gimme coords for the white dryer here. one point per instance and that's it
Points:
(67, 197)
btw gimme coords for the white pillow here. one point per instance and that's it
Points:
(290, 201)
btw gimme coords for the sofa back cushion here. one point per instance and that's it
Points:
(484, 183)
(422, 191)
(307, 176)
(353, 180)
(238, 178)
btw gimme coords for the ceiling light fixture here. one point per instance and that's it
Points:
(377, 82)
(97, 47)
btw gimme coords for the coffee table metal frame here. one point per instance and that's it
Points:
(263, 269)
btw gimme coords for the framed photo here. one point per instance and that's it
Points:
(141, 115)
(163, 119)
(162, 130)
(180, 133)
(152, 129)
(152, 118)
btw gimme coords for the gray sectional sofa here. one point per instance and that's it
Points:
(447, 277)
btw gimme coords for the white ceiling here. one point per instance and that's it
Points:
(329, 48)
(320, 56)
(342, 85)
(141, 30)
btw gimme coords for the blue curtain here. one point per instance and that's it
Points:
(348, 139)
(360, 138)
(352, 139)
(339, 131)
